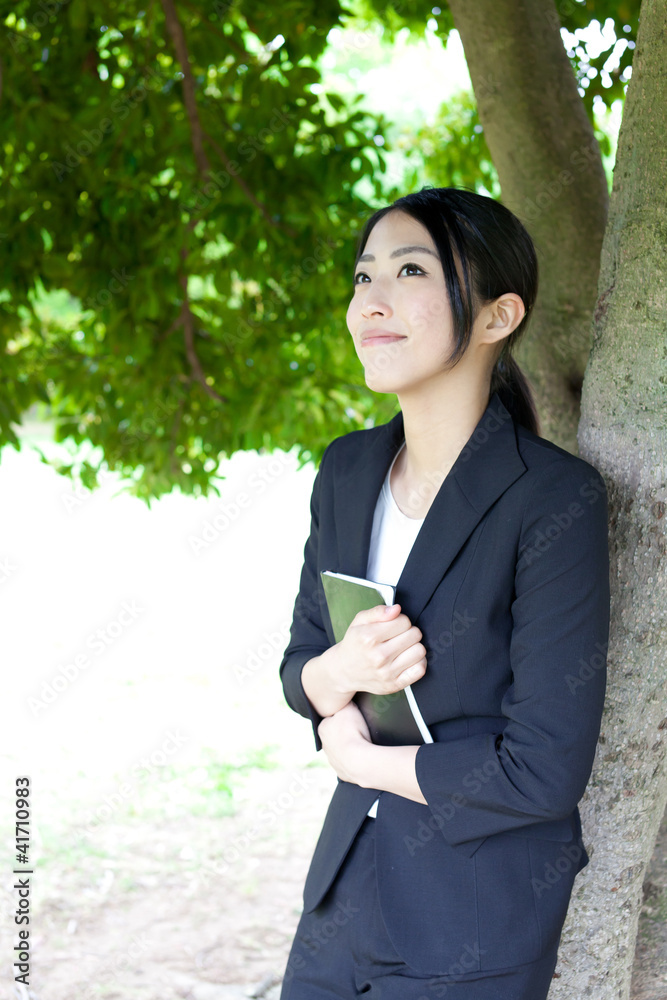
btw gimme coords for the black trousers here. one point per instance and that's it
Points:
(342, 951)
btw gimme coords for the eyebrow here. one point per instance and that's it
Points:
(401, 252)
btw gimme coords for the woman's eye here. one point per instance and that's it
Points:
(360, 276)
(412, 269)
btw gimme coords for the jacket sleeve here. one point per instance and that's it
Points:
(537, 769)
(308, 635)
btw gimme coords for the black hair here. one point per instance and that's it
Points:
(495, 254)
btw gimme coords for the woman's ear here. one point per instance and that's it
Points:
(499, 318)
(510, 310)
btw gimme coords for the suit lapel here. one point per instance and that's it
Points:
(486, 466)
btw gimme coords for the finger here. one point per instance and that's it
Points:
(381, 631)
(402, 650)
(411, 675)
(413, 658)
(404, 669)
(380, 613)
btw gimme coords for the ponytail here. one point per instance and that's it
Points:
(515, 392)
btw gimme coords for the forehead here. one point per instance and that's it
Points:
(396, 230)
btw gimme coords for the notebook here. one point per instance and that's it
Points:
(392, 719)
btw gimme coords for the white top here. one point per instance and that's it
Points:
(392, 537)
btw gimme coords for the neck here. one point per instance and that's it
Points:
(436, 428)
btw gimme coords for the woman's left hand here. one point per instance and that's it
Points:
(345, 741)
(355, 758)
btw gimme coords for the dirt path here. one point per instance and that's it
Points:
(190, 908)
(201, 907)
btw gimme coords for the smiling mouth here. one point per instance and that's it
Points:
(379, 339)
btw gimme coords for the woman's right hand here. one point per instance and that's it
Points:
(381, 652)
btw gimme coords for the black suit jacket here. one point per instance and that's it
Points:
(508, 580)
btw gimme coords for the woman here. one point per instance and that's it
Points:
(445, 869)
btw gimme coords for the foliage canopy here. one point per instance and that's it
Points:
(183, 181)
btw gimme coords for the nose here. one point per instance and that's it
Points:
(374, 304)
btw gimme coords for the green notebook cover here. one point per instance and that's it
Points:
(391, 718)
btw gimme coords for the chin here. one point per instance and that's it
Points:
(381, 383)
(382, 377)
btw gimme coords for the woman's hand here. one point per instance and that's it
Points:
(381, 652)
(345, 741)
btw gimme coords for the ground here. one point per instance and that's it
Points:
(200, 901)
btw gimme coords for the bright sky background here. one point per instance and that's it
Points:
(416, 78)
(409, 81)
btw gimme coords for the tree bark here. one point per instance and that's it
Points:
(550, 169)
(623, 432)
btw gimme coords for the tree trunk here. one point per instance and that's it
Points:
(623, 432)
(550, 169)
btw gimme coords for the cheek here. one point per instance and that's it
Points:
(429, 313)
(352, 315)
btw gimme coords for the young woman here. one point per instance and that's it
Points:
(445, 869)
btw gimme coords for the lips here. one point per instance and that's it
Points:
(379, 337)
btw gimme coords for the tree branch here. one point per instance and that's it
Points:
(196, 130)
(178, 38)
(165, 333)
(216, 31)
(173, 438)
(243, 185)
(187, 319)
